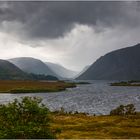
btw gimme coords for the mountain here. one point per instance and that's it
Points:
(83, 70)
(10, 71)
(32, 65)
(122, 64)
(61, 71)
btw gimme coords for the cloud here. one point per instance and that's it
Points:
(80, 47)
(53, 19)
(74, 34)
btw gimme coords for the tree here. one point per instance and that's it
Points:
(26, 118)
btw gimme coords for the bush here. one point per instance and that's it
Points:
(124, 110)
(27, 118)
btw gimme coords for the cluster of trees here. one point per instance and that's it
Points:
(26, 118)
(42, 77)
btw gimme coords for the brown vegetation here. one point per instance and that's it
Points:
(81, 126)
(11, 86)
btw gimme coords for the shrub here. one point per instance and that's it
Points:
(26, 118)
(124, 110)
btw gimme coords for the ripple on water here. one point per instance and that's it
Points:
(96, 98)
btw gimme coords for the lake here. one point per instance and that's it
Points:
(97, 98)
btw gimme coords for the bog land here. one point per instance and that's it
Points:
(81, 126)
(16, 86)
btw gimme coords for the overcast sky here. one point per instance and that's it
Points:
(73, 34)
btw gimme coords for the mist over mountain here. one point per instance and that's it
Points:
(10, 71)
(61, 71)
(32, 65)
(122, 64)
(82, 71)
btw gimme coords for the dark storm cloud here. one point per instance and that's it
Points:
(53, 19)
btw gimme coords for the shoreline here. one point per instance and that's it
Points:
(126, 83)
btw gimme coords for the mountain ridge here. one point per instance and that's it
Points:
(32, 65)
(121, 64)
(10, 71)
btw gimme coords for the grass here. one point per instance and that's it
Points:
(81, 126)
(13, 86)
(126, 83)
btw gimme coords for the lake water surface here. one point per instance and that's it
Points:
(96, 98)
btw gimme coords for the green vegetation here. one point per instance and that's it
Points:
(22, 90)
(134, 81)
(124, 110)
(9, 86)
(83, 83)
(126, 83)
(26, 119)
(32, 76)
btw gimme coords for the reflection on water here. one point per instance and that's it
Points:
(95, 98)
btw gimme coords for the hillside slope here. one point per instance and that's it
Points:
(10, 71)
(122, 64)
(32, 65)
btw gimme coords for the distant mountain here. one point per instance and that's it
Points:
(32, 65)
(10, 71)
(122, 64)
(61, 71)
